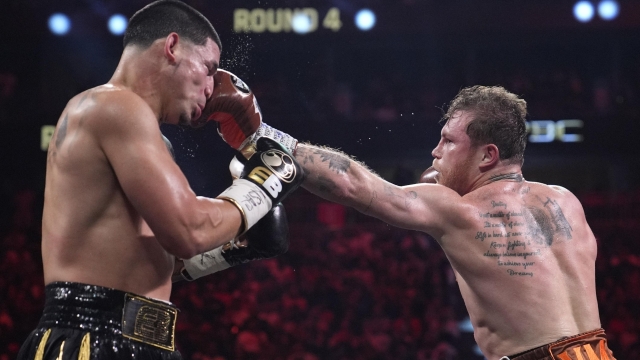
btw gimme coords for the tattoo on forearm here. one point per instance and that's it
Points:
(325, 185)
(337, 162)
(389, 191)
(304, 156)
(411, 196)
(374, 197)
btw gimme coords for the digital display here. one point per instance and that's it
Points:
(546, 131)
(300, 20)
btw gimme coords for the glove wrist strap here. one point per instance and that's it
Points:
(204, 264)
(248, 146)
(252, 201)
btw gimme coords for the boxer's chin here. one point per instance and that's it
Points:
(197, 122)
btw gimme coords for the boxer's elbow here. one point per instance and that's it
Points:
(352, 190)
(205, 230)
(182, 243)
(184, 239)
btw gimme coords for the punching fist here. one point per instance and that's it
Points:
(235, 108)
(266, 179)
(267, 239)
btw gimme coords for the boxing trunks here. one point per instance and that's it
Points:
(590, 345)
(85, 322)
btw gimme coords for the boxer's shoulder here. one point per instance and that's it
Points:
(110, 108)
(543, 191)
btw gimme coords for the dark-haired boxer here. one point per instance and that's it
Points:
(118, 210)
(523, 253)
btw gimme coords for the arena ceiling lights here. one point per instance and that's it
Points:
(585, 10)
(60, 24)
(117, 24)
(365, 19)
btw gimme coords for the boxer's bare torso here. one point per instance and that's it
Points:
(91, 233)
(524, 259)
(523, 253)
(109, 174)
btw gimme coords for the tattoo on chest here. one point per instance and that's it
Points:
(516, 238)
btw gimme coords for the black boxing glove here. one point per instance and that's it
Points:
(267, 239)
(267, 178)
(235, 108)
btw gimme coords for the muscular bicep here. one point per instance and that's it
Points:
(425, 207)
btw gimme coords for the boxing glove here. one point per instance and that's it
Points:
(235, 109)
(267, 178)
(267, 239)
(429, 176)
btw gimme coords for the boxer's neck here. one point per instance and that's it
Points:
(517, 177)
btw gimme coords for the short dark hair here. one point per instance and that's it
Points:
(162, 17)
(498, 118)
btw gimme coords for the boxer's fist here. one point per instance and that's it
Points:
(235, 108)
(274, 169)
(267, 239)
(266, 179)
(429, 176)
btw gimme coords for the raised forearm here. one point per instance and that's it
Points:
(336, 177)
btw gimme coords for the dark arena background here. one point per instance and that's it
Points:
(350, 286)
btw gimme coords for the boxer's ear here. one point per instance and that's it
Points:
(170, 43)
(490, 156)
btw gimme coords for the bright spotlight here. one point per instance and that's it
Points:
(608, 9)
(117, 24)
(365, 19)
(583, 11)
(59, 24)
(301, 23)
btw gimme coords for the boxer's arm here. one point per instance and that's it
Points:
(185, 225)
(336, 177)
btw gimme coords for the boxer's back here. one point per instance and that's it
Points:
(91, 233)
(525, 266)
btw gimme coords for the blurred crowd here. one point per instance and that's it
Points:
(348, 288)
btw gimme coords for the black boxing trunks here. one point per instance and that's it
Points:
(85, 322)
(590, 345)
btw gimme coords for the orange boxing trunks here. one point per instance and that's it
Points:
(590, 345)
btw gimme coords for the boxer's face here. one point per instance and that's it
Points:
(454, 157)
(194, 80)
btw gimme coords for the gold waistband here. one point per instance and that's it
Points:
(150, 322)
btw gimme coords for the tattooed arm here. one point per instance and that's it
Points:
(337, 177)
